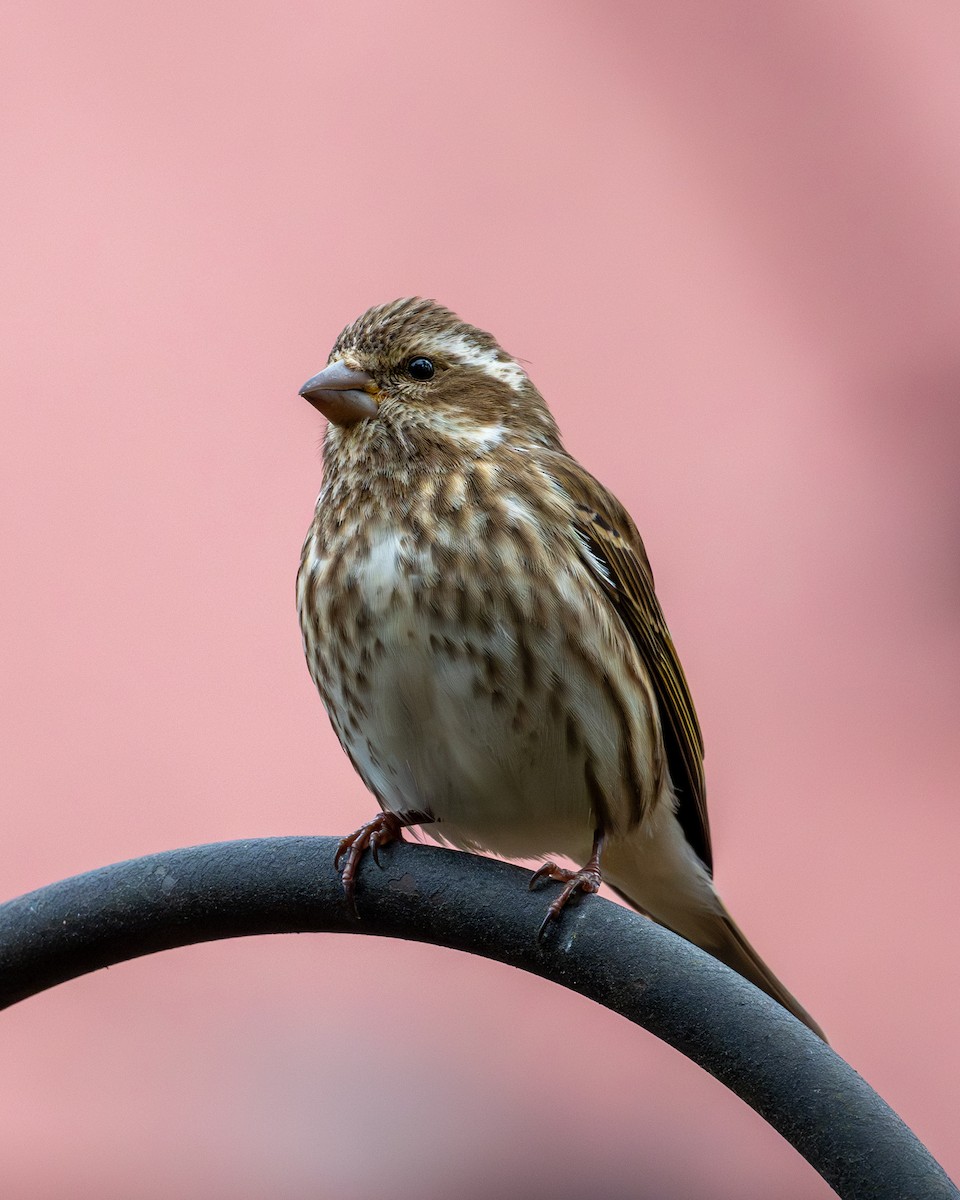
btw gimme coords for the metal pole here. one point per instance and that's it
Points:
(601, 950)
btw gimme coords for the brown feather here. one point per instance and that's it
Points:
(612, 538)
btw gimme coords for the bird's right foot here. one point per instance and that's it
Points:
(373, 836)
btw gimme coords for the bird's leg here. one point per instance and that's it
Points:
(386, 827)
(587, 880)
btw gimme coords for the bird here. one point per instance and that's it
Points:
(479, 617)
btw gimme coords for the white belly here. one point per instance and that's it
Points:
(489, 763)
(469, 714)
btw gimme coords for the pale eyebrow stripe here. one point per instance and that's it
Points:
(489, 361)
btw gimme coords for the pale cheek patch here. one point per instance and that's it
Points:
(471, 355)
(484, 437)
(479, 438)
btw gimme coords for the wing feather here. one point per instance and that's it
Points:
(611, 539)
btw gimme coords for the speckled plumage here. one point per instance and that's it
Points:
(479, 617)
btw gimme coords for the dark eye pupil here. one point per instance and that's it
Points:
(420, 368)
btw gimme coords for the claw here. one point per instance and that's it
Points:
(586, 881)
(547, 871)
(381, 831)
(546, 923)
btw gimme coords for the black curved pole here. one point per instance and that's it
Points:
(601, 950)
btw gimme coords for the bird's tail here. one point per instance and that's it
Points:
(686, 903)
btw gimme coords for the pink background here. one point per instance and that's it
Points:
(726, 238)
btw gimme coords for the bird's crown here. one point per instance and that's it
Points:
(390, 332)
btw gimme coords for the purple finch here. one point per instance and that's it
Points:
(479, 616)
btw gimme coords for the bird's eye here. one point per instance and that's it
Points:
(420, 368)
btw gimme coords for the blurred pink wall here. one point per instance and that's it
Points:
(726, 238)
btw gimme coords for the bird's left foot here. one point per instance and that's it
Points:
(586, 881)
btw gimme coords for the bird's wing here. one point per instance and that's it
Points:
(610, 536)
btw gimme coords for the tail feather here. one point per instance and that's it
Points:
(663, 878)
(723, 938)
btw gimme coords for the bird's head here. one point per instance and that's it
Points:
(414, 367)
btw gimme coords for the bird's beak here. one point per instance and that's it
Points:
(342, 394)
